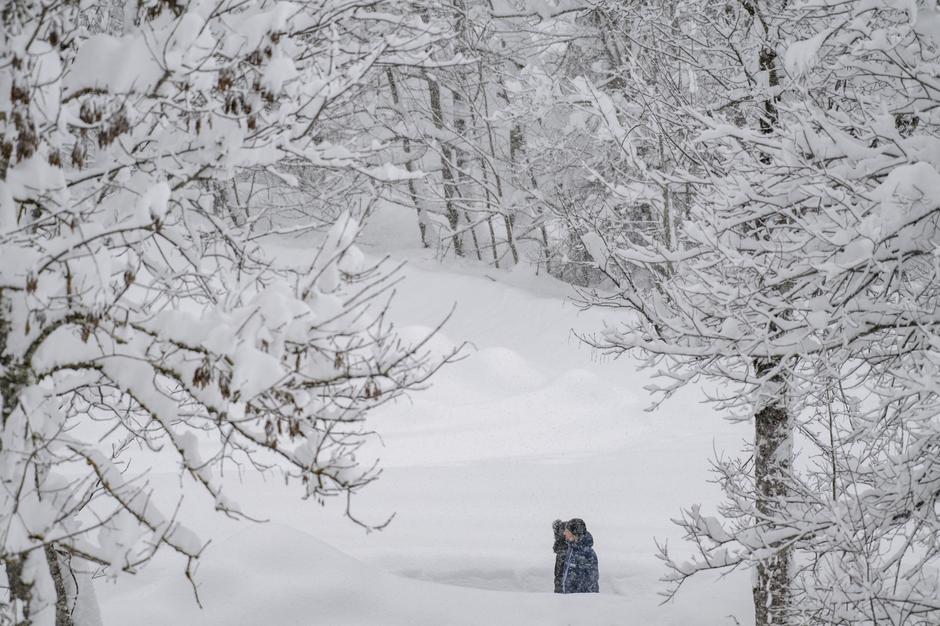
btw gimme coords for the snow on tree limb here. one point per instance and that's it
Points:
(138, 311)
(805, 261)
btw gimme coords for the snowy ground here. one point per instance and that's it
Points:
(530, 427)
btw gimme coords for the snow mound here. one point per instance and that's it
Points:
(499, 371)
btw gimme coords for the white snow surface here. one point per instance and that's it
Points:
(531, 426)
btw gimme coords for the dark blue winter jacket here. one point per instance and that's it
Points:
(580, 573)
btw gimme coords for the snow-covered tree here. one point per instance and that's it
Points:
(136, 315)
(804, 282)
(446, 123)
(485, 130)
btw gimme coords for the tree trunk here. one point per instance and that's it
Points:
(517, 149)
(461, 112)
(772, 463)
(76, 603)
(773, 430)
(461, 165)
(20, 591)
(491, 206)
(507, 220)
(406, 146)
(447, 174)
(63, 616)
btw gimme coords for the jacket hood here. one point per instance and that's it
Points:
(585, 540)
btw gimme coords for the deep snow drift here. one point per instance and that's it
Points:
(530, 426)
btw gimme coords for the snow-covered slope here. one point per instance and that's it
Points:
(529, 427)
(308, 582)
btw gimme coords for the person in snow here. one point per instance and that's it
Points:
(561, 549)
(579, 574)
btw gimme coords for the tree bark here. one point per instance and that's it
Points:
(460, 161)
(507, 220)
(63, 616)
(772, 464)
(772, 426)
(447, 174)
(21, 591)
(406, 146)
(517, 149)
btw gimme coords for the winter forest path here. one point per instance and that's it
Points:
(529, 427)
